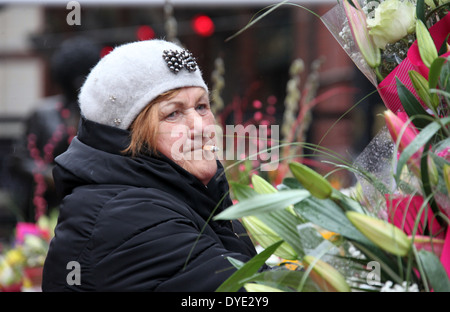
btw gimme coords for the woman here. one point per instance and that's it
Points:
(140, 181)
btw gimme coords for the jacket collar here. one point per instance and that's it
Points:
(106, 138)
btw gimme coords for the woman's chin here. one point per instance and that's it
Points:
(203, 169)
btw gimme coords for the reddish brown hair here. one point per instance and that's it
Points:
(144, 129)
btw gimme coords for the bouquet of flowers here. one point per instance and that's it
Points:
(21, 264)
(402, 46)
(391, 231)
(392, 40)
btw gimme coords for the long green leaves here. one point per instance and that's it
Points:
(237, 279)
(412, 106)
(279, 220)
(422, 138)
(420, 10)
(435, 72)
(296, 210)
(326, 214)
(263, 203)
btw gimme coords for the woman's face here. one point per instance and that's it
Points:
(186, 125)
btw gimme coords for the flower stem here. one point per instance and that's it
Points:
(379, 75)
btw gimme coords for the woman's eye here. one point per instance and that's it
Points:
(172, 115)
(202, 107)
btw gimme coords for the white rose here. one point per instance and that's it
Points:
(393, 20)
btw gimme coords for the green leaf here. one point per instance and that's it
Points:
(420, 10)
(435, 272)
(427, 49)
(255, 287)
(444, 78)
(426, 182)
(446, 175)
(292, 183)
(285, 225)
(421, 139)
(326, 214)
(412, 106)
(286, 280)
(238, 278)
(352, 4)
(236, 263)
(281, 221)
(443, 49)
(435, 72)
(262, 203)
(241, 191)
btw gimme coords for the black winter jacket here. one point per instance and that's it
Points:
(137, 224)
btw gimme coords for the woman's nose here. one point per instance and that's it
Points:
(195, 124)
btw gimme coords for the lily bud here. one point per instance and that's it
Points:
(358, 25)
(254, 287)
(433, 173)
(383, 234)
(266, 237)
(447, 177)
(317, 185)
(261, 186)
(395, 126)
(325, 276)
(420, 84)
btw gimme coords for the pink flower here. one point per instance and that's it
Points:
(401, 129)
(358, 25)
(26, 228)
(445, 153)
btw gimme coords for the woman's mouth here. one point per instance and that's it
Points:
(211, 148)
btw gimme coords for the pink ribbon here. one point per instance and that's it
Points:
(388, 87)
(403, 211)
(445, 257)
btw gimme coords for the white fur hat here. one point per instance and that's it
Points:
(131, 76)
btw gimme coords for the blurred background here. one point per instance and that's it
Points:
(48, 47)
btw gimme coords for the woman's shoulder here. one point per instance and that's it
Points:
(106, 207)
(143, 206)
(119, 213)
